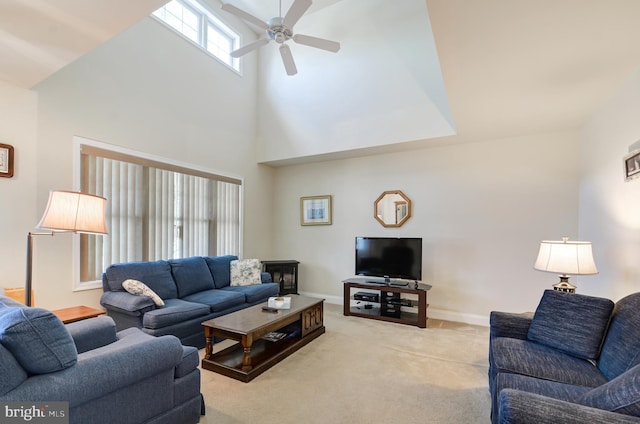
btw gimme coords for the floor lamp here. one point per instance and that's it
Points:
(67, 211)
(566, 257)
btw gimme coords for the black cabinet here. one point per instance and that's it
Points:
(285, 273)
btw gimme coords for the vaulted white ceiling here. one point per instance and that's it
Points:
(510, 67)
(39, 37)
(515, 67)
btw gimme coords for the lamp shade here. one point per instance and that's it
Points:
(566, 257)
(73, 211)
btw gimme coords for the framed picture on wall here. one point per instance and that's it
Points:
(6, 160)
(632, 165)
(315, 210)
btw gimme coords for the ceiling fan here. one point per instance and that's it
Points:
(280, 30)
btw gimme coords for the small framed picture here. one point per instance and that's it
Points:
(6, 160)
(632, 165)
(315, 210)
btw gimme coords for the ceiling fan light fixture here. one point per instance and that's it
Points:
(280, 37)
(280, 30)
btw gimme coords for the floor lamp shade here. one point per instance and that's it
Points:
(77, 212)
(67, 211)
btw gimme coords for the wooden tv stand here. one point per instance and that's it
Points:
(390, 302)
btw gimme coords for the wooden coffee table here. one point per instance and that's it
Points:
(254, 354)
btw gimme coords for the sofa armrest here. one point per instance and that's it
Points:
(126, 302)
(134, 357)
(92, 333)
(507, 324)
(518, 407)
(266, 277)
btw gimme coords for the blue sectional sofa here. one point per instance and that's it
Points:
(193, 289)
(105, 376)
(575, 360)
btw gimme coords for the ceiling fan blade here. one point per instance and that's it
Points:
(320, 43)
(249, 47)
(295, 12)
(287, 59)
(244, 15)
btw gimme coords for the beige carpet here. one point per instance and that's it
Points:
(364, 371)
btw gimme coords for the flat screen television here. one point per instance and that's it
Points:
(389, 257)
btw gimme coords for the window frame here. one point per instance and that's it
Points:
(78, 142)
(208, 18)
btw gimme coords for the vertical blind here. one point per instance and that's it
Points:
(156, 211)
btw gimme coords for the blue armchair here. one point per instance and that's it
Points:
(106, 376)
(576, 360)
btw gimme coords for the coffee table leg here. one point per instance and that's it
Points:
(246, 359)
(208, 336)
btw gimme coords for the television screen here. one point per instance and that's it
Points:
(389, 257)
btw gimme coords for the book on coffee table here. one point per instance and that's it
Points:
(274, 336)
(279, 302)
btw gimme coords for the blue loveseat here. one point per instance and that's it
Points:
(575, 360)
(193, 289)
(105, 376)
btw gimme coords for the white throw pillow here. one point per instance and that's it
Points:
(141, 289)
(246, 272)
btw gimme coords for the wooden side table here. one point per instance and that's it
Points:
(77, 313)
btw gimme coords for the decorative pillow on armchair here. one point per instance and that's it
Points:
(622, 394)
(246, 272)
(573, 323)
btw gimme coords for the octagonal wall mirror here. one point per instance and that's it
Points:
(392, 208)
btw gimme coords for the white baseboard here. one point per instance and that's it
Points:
(462, 317)
(334, 300)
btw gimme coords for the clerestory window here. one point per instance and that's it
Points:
(196, 23)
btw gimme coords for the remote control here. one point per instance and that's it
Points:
(269, 309)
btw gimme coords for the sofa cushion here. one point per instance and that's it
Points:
(622, 394)
(217, 300)
(567, 392)
(245, 272)
(189, 362)
(156, 275)
(92, 333)
(174, 311)
(573, 323)
(621, 349)
(139, 288)
(191, 275)
(37, 339)
(220, 267)
(256, 293)
(536, 360)
(12, 373)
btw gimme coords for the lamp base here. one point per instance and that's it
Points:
(564, 285)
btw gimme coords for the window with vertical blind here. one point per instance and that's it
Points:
(156, 210)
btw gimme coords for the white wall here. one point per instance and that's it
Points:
(379, 89)
(148, 90)
(609, 206)
(18, 121)
(480, 208)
